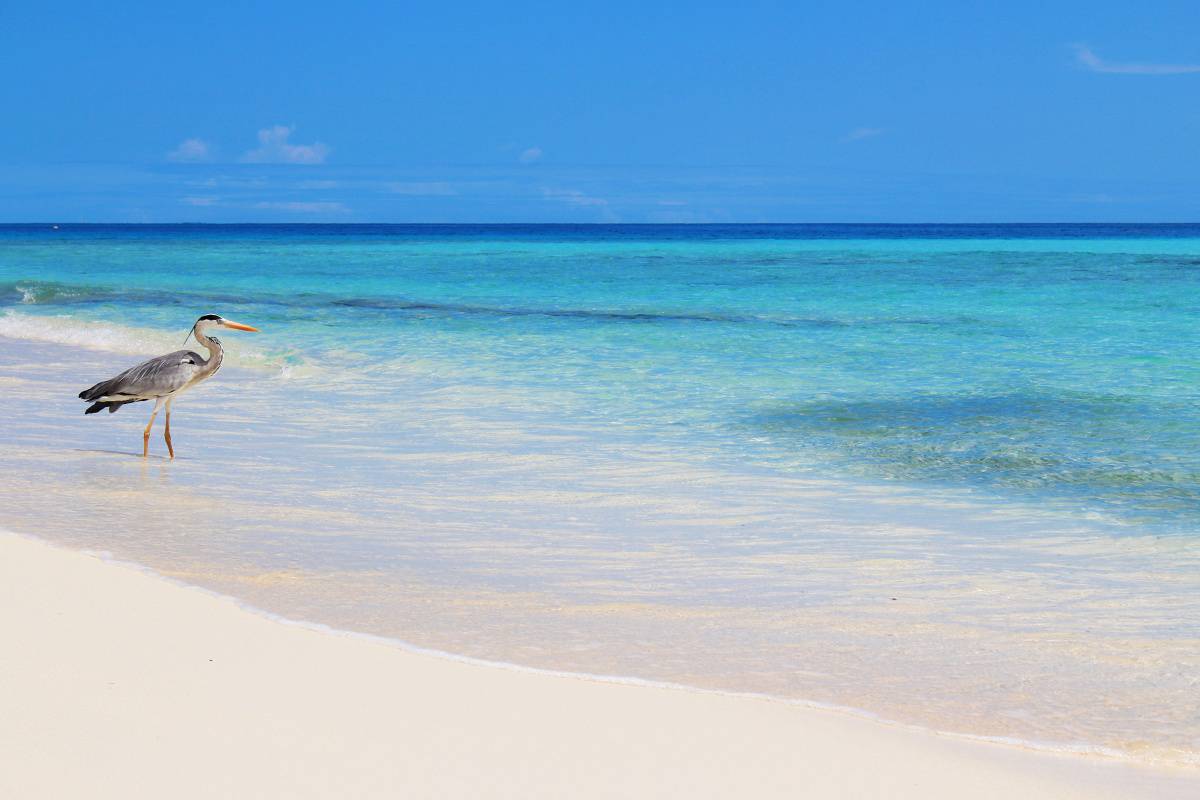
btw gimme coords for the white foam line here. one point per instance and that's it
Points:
(1072, 749)
(81, 334)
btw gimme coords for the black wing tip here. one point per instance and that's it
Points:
(111, 405)
(95, 392)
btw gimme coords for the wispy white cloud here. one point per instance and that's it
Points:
(573, 197)
(858, 134)
(238, 182)
(530, 155)
(1102, 198)
(422, 188)
(318, 184)
(1088, 58)
(295, 206)
(303, 207)
(274, 148)
(672, 202)
(191, 150)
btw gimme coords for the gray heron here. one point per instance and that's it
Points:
(162, 379)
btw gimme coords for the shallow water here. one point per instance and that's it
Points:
(948, 480)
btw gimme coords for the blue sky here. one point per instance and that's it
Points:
(593, 112)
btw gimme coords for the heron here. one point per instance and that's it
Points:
(162, 379)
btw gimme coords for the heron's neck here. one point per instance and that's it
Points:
(215, 353)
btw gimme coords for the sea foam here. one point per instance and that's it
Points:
(113, 337)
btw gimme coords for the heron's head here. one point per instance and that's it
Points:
(210, 321)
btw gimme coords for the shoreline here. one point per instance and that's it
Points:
(130, 478)
(122, 650)
(1068, 749)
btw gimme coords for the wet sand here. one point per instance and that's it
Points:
(118, 683)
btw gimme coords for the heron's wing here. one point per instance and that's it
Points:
(154, 378)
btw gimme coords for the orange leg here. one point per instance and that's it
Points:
(149, 425)
(167, 435)
(146, 437)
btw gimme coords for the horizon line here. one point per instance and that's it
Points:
(60, 223)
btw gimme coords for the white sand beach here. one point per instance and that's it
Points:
(118, 683)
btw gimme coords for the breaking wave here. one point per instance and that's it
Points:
(115, 338)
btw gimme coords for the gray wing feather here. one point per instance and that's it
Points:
(154, 378)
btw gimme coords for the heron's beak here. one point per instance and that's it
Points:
(237, 326)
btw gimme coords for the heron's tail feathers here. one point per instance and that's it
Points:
(99, 390)
(111, 406)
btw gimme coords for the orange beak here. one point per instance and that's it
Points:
(237, 326)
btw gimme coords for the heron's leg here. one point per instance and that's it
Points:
(146, 434)
(167, 435)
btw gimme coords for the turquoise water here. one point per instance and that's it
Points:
(1050, 363)
(946, 474)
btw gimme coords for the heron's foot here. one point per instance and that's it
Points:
(146, 446)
